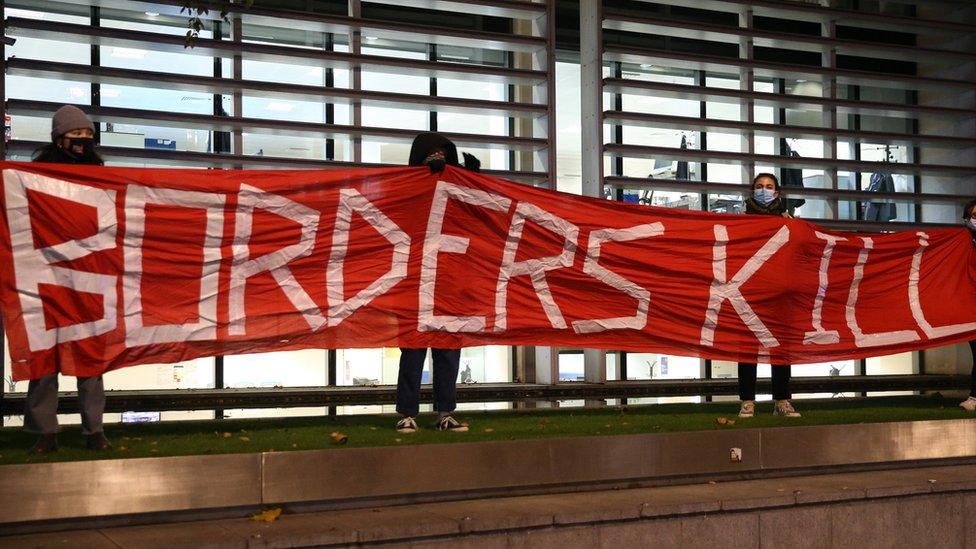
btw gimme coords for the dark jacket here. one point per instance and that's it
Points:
(777, 207)
(881, 211)
(53, 154)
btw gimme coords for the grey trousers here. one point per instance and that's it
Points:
(41, 408)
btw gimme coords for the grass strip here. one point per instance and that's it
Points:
(232, 436)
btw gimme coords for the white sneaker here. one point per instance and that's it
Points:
(748, 408)
(785, 409)
(968, 404)
(407, 425)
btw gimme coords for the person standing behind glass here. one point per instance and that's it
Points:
(765, 200)
(968, 211)
(434, 151)
(72, 142)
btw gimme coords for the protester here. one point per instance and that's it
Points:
(968, 213)
(765, 200)
(72, 142)
(434, 151)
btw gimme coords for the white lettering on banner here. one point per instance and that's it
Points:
(436, 242)
(722, 289)
(535, 268)
(136, 198)
(592, 267)
(33, 266)
(915, 301)
(860, 338)
(819, 335)
(243, 267)
(351, 200)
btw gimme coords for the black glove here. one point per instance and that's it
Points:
(471, 162)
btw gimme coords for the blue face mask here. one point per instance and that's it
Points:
(763, 196)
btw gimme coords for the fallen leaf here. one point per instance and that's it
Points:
(226, 435)
(294, 445)
(724, 421)
(606, 426)
(489, 430)
(244, 439)
(339, 438)
(398, 439)
(269, 515)
(373, 428)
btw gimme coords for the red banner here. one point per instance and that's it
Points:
(110, 267)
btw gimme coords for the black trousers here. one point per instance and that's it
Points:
(445, 373)
(747, 381)
(972, 385)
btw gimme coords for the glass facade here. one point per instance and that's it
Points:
(708, 114)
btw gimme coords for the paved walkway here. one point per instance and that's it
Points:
(816, 510)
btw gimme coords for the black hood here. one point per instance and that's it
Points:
(428, 142)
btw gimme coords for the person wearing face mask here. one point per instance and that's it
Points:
(72, 139)
(969, 219)
(72, 142)
(436, 152)
(765, 200)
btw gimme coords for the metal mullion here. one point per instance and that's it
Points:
(356, 80)
(95, 89)
(551, 89)
(432, 114)
(329, 81)
(701, 78)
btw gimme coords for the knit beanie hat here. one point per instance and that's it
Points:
(426, 143)
(67, 118)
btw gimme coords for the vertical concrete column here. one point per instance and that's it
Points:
(591, 124)
(747, 112)
(829, 91)
(356, 80)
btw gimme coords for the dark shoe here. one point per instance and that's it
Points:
(97, 442)
(407, 425)
(448, 423)
(45, 444)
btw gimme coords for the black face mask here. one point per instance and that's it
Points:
(80, 148)
(435, 162)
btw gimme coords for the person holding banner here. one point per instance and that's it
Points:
(765, 200)
(72, 142)
(969, 219)
(434, 151)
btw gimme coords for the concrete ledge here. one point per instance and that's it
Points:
(764, 512)
(364, 476)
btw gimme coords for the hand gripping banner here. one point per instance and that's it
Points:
(102, 268)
